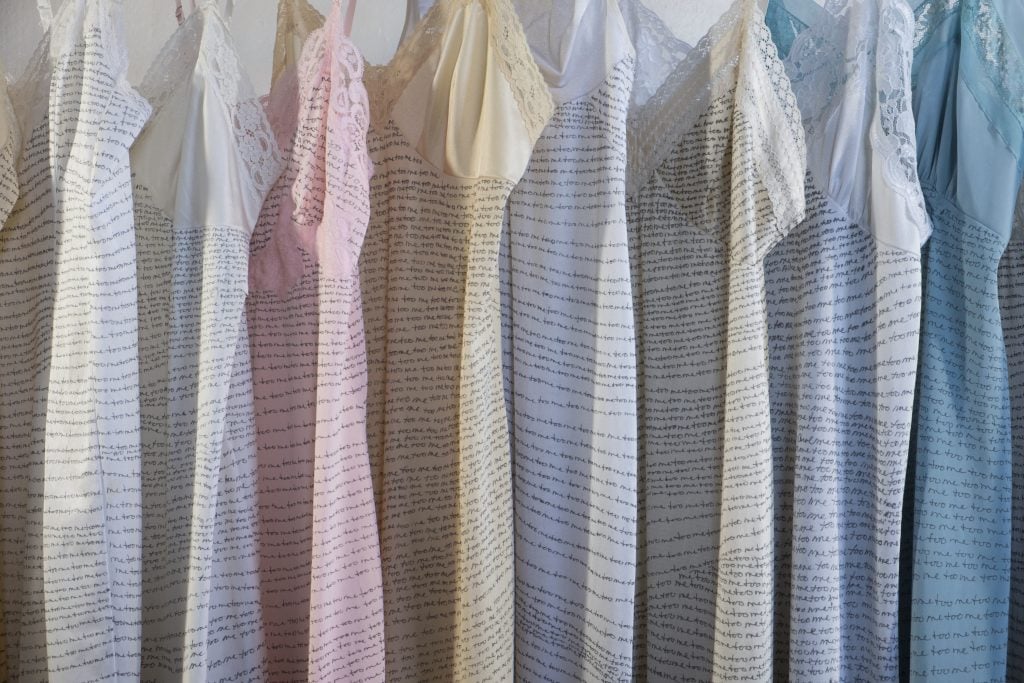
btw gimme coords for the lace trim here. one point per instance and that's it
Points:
(898, 139)
(982, 27)
(687, 92)
(386, 83)
(782, 166)
(683, 96)
(988, 34)
(295, 19)
(930, 14)
(204, 39)
(862, 53)
(658, 50)
(330, 233)
(819, 67)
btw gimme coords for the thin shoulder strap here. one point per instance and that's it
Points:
(412, 18)
(179, 11)
(45, 13)
(350, 13)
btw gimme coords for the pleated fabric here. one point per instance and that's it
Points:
(454, 118)
(717, 180)
(70, 499)
(323, 612)
(570, 358)
(968, 100)
(201, 169)
(844, 310)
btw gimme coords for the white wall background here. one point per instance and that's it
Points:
(378, 25)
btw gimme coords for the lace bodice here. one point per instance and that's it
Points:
(850, 71)
(736, 56)
(658, 50)
(203, 43)
(386, 83)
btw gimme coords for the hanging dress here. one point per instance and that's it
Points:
(570, 363)
(454, 119)
(319, 559)
(844, 308)
(968, 101)
(10, 150)
(69, 413)
(717, 179)
(201, 167)
(1011, 307)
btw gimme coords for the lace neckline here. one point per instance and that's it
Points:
(708, 71)
(327, 226)
(983, 28)
(386, 83)
(862, 51)
(819, 64)
(295, 18)
(658, 50)
(203, 42)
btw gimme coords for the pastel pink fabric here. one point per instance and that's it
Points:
(320, 557)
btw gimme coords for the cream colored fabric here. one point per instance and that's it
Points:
(460, 109)
(296, 19)
(438, 435)
(201, 170)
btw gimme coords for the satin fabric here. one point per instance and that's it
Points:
(202, 167)
(322, 599)
(967, 101)
(70, 467)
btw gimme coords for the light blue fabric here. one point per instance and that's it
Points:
(843, 293)
(969, 106)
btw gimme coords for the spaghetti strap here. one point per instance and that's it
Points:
(45, 13)
(350, 13)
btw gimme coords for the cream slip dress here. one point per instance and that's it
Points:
(454, 118)
(201, 167)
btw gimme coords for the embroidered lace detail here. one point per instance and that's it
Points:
(930, 14)
(386, 83)
(742, 34)
(863, 53)
(782, 165)
(897, 142)
(988, 34)
(203, 40)
(658, 50)
(684, 94)
(330, 234)
(982, 27)
(820, 67)
(296, 19)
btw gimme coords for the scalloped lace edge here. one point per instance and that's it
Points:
(387, 82)
(872, 42)
(736, 31)
(190, 46)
